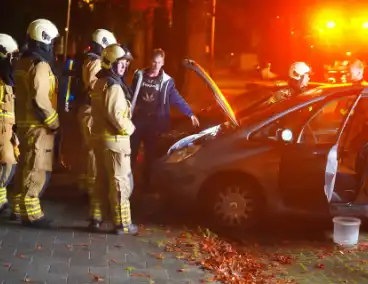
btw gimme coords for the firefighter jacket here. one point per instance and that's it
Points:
(111, 111)
(91, 66)
(7, 97)
(37, 94)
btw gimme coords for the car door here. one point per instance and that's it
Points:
(308, 165)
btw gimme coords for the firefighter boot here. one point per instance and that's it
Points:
(129, 230)
(95, 225)
(42, 223)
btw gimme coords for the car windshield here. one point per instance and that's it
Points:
(270, 110)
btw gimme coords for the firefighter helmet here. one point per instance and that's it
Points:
(111, 54)
(103, 37)
(7, 45)
(298, 70)
(42, 30)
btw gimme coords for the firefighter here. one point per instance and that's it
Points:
(37, 120)
(112, 127)
(356, 69)
(8, 140)
(298, 80)
(91, 66)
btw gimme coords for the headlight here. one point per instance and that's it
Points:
(189, 139)
(182, 154)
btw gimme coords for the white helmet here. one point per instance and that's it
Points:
(7, 45)
(111, 54)
(103, 37)
(298, 70)
(42, 30)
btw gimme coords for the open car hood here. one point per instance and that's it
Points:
(220, 98)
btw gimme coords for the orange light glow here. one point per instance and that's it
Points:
(331, 24)
(348, 53)
(365, 25)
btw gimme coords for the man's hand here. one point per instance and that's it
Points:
(195, 121)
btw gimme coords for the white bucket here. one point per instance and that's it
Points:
(346, 230)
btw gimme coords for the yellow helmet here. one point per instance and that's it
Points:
(42, 30)
(111, 54)
(298, 70)
(7, 45)
(103, 37)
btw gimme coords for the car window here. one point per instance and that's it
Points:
(323, 127)
(293, 121)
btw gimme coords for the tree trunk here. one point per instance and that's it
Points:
(197, 23)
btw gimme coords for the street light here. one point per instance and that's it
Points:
(67, 30)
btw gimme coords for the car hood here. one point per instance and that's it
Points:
(219, 97)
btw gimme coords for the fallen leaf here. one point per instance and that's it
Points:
(140, 275)
(129, 268)
(27, 280)
(38, 246)
(160, 256)
(118, 246)
(182, 270)
(22, 256)
(68, 246)
(6, 265)
(81, 245)
(320, 266)
(96, 278)
(160, 243)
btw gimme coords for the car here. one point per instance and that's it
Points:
(304, 155)
(256, 93)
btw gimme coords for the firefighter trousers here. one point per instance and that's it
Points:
(34, 170)
(87, 178)
(7, 161)
(114, 182)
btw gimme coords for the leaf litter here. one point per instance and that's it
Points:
(219, 257)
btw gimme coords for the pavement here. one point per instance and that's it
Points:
(69, 254)
(293, 251)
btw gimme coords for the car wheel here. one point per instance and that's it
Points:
(234, 203)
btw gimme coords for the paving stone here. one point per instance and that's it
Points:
(155, 274)
(77, 261)
(12, 278)
(59, 268)
(71, 255)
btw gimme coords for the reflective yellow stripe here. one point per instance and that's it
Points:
(7, 114)
(69, 82)
(30, 124)
(51, 118)
(116, 137)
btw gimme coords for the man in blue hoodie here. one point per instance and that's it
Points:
(153, 94)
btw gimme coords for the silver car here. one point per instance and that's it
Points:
(304, 155)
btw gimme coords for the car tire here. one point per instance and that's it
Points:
(233, 202)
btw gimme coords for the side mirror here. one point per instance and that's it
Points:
(287, 135)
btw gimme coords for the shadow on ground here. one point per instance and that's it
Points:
(150, 212)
